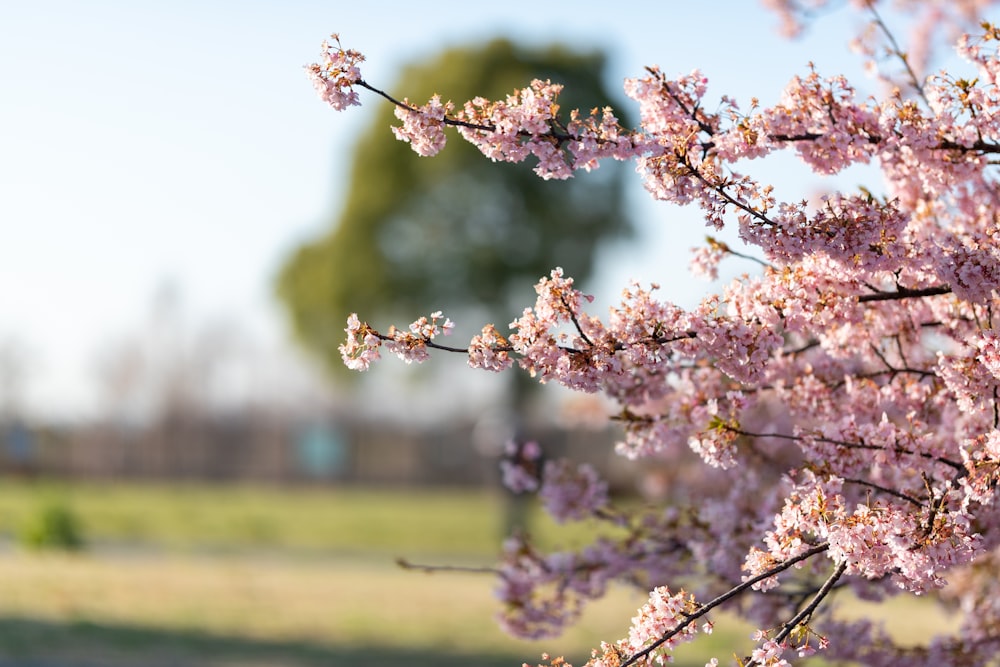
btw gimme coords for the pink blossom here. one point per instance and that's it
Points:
(521, 467)
(334, 77)
(489, 350)
(828, 419)
(572, 492)
(423, 128)
(362, 346)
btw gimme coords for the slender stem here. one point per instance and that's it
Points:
(557, 130)
(796, 620)
(725, 597)
(721, 191)
(760, 261)
(849, 445)
(437, 346)
(446, 120)
(884, 489)
(576, 322)
(898, 52)
(559, 133)
(407, 565)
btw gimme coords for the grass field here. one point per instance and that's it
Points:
(261, 575)
(184, 517)
(238, 576)
(246, 610)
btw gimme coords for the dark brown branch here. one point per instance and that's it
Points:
(407, 565)
(803, 615)
(721, 191)
(437, 346)
(905, 294)
(883, 489)
(725, 597)
(692, 112)
(454, 122)
(979, 146)
(849, 445)
(805, 347)
(559, 136)
(891, 370)
(576, 322)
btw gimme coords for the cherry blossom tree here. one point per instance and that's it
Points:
(844, 401)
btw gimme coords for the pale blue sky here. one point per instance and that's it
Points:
(144, 143)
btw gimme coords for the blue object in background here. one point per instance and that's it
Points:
(322, 452)
(19, 444)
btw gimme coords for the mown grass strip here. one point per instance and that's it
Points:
(402, 522)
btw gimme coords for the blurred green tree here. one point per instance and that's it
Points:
(457, 231)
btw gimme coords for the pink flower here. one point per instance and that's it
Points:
(334, 77)
(362, 346)
(572, 492)
(423, 128)
(834, 410)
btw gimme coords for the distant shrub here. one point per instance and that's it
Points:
(53, 527)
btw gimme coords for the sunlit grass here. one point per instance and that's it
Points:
(406, 522)
(301, 577)
(354, 603)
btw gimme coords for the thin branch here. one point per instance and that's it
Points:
(765, 264)
(891, 370)
(693, 112)
(725, 597)
(883, 489)
(576, 322)
(905, 294)
(805, 347)
(878, 353)
(454, 122)
(554, 125)
(803, 615)
(898, 52)
(430, 569)
(720, 190)
(437, 346)
(849, 445)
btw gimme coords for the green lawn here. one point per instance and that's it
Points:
(242, 610)
(244, 576)
(183, 517)
(263, 575)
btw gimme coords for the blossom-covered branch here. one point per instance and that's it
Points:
(843, 401)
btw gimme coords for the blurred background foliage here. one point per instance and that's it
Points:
(456, 231)
(53, 526)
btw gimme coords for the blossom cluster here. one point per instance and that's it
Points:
(364, 342)
(423, 128)
(335, 76)
(829, 422)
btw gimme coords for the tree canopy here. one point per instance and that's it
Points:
(456, 231)
(843, 402)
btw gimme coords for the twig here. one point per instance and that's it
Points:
(898, 52)
(728, 595)
(849, 445)
(430, 569)
(884, 489)
(794, 622)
